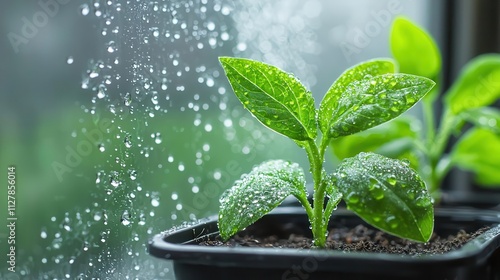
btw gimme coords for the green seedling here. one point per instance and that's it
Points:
(465, 109)
(386, 193)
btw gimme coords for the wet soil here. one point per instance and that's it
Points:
(359, 238)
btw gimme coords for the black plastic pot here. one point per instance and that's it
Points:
(478, 259)
(483, 200)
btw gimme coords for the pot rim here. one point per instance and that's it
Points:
(471, 252)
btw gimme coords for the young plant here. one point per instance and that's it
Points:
(385, 192)
(466, 101)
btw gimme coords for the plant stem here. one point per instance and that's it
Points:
(316, 156)
(429, 121)
(448, 121)
(436, 142)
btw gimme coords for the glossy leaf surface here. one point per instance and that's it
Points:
(257, 193)
(274, 97)
(387, 194)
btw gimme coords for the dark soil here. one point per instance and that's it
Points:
(360, 239)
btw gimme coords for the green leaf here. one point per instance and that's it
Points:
(358, 72)
(370, 102)
(395, 138)
(478, 151)
(478, 84)
(387, 194)
(414, 49)
(257, 193)
(485, 117)
(274, 97)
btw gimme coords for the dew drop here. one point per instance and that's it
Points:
(423, 201)
(392, 222)
(411, 195)
(353, 198)
(392, 180)
(377, 192)
(373, 184)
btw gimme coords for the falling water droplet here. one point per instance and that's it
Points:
(127, 142)
(97, 216)
(111, 46)
(84, 9)
(155, 202)
(98, 178)
(114, 180)
(156, 32)
(158, 139)
(125, 219)
(70, 60)
(174, 196)
(133, 174)
(127, 99)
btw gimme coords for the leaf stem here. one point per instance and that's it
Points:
(307, 206)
